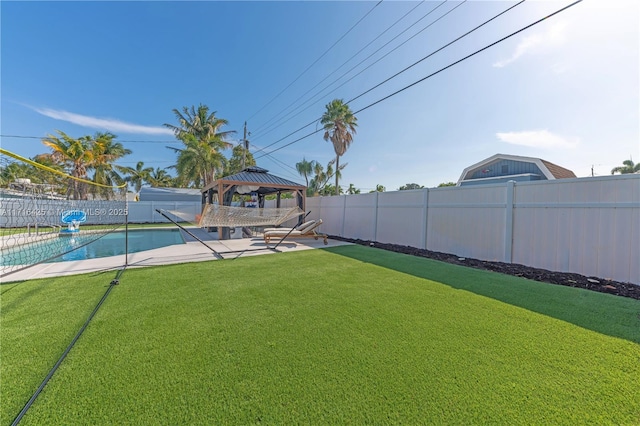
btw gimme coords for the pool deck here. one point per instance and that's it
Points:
(192, 251)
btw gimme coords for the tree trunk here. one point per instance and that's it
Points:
(337, 169)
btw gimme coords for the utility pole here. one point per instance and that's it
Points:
(245, 143)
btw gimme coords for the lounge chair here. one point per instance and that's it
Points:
(308, 231)
(300, 227)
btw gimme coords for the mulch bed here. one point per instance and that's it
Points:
(561, 278)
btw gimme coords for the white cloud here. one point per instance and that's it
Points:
(554, 36)
(103, 123)
(538, 139)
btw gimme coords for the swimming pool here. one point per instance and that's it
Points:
(112, 244)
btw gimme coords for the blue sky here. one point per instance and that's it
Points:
(566, 90)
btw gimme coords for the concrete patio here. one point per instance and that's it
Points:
(191, 251)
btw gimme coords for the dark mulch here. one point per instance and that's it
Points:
(561, 278)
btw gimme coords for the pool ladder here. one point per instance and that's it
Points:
(36, 228)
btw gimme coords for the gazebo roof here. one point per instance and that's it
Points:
(252, 177)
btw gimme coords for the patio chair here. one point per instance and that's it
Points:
(308, 231)
(300, 227)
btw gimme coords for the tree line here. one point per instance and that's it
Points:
(200, 159)
(91, 160)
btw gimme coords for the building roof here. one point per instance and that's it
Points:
(550, 170)
(557, 171)
(253, 177)
(169, 194)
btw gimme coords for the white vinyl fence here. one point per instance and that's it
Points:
(145, 211)
(589, 226)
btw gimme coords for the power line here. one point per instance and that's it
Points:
(290, 143)
(468, 56)
(343, 64)
(136, 162)
(377, 60)
(316, 61)
(438, 50)
(281, 162)
(117, 140)
(378, 85)
(439, 71)
(395, 75)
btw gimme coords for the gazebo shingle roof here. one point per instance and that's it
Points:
(257, 176)
(260, 176)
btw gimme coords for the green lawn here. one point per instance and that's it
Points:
(349, 335)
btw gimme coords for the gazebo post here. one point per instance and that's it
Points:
(225, 197)
(301, 199)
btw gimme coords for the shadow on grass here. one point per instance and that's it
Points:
(607, 314)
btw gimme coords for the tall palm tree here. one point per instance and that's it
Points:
(305, 168)
(197, 163)
(76, 155)
(339, 127)
(199, 123)
(105, 153)
(204, 127)
(137, 176)
(629, 167)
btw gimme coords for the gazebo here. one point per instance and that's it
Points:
(254, 180)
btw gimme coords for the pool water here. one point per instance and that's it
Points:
(112, 244)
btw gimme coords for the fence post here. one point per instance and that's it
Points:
(375, 219)
(508, 234)
(425, 220)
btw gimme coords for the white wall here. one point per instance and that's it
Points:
(468, 221)
(145, 211)
(589, 226)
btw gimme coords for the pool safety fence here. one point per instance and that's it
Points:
(36, 218)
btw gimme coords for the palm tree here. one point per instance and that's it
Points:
(46, 177)
(629, 167)
(379, 188)
(339, 127)
(319, 180)
(239, 156)
(305, 168)
(410, 186)
(204, 127)
(160, 178)
(352, 189)
(319, 184)
(199, 123)
(10, 171)
(77, 157)
(137, 176)
(105, 153)
(197, 163)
